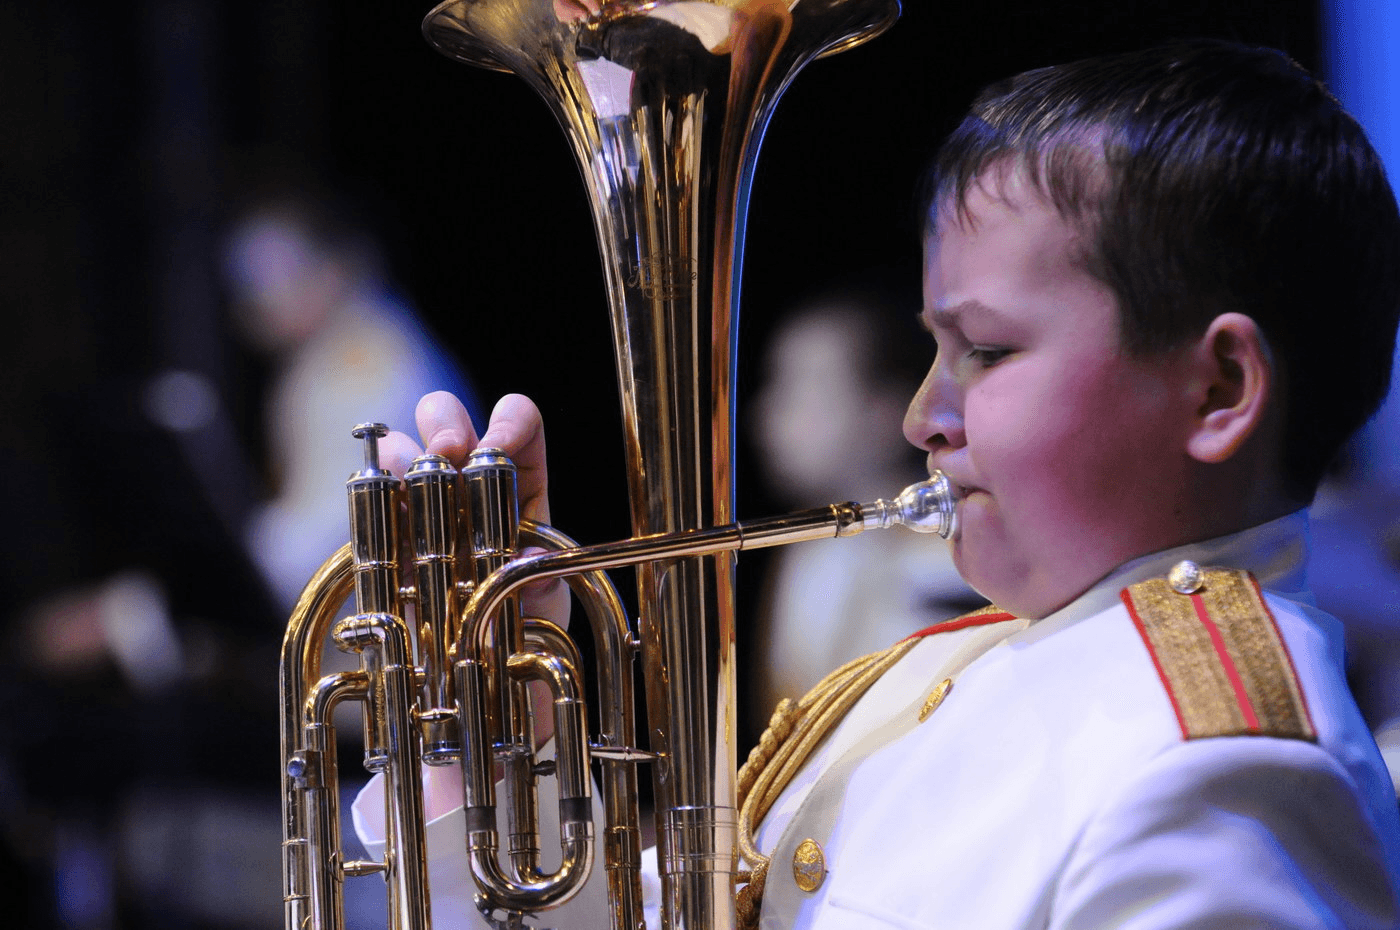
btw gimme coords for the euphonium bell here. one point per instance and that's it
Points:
(663, 103)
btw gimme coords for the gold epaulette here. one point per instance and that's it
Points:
(1218, 651)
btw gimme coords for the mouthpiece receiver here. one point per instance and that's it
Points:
(927, 507)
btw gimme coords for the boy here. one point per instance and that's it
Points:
(1136, 391)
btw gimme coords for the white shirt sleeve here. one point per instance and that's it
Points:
(449, 870)
(1241, 832)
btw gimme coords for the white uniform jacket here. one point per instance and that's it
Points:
(1053, 788)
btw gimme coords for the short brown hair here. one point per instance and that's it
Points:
(1215, 177)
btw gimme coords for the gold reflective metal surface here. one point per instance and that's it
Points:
(663, 103)
(935, 698)
(809, 865)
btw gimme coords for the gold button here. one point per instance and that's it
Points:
(1186, 577)
(935, 698)
(809, 865)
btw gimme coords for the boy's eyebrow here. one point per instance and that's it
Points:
(951, 317)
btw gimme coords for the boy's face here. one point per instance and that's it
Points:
(1069, 452)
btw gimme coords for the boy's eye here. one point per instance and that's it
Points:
(987, 356)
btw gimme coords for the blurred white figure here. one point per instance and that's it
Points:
(1354, 572)
(311, 292)
(826, 421)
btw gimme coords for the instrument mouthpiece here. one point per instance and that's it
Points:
(929, 506)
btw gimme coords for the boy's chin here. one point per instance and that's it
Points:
(982, 554)
(1008, 586)
(973, 572)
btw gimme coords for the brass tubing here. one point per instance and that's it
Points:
(383, 640)
(519, 785)
(432, 490)
(533, 891)
(556, 664)
(615, 649)
(505, 581)
(552, 657)
(321, 787)
(489, 482)
(375, 495)
(924, 507)
(694, 827)
(408, 846)
(300, 666)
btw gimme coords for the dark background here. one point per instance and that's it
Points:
(132, 131)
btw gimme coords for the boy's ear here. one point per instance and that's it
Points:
(1232, 392)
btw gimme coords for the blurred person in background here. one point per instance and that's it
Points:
(309, 289)
(826, 420)
(144, 643)
(1354, 570)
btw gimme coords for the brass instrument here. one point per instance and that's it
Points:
(664, 103)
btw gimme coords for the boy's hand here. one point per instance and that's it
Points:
(517, 429)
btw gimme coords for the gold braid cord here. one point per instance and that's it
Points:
(795, 730)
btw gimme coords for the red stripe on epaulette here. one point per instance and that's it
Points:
(1251, 719)
(980, 617)
(1156, 662)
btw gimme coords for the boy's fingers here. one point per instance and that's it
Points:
(446, 427)
(397, 452)
(515, 426)
(548, 599)
(517, 429)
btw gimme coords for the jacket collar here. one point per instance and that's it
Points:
(1275, 552)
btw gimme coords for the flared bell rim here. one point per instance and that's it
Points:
(891, 17)
(445, 27)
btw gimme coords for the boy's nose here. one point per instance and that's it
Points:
(934, 418)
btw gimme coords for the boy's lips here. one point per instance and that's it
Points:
(949, 464)
(960, 489)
